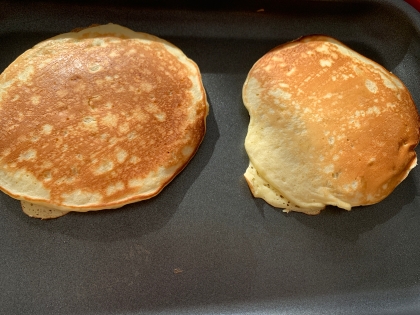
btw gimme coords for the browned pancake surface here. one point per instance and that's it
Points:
(329, 126)
(100, 119)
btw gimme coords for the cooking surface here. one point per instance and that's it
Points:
(204, 245)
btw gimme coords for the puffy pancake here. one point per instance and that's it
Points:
(327, 126)
(99, 118)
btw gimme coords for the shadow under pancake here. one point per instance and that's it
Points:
(136, 219)
(349, 225)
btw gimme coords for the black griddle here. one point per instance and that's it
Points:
(205, 245)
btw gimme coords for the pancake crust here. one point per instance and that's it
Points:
(99, 118)
(327, 127)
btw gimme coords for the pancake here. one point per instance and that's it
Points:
(96, 119)
(327, 126)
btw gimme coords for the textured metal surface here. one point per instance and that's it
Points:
(204, 245)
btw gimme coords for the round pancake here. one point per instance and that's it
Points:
(99, 118)
(327, 127)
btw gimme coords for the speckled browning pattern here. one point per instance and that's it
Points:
(98, 118)
(328, 126)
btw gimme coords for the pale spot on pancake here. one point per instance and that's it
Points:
(65, 147)
(328, 95)
(77, 63)
(108, 78)
(98, 42)
(110, 120)
(390, 105)
(329, 168)
(62, 93)
(134, 159)
(373, 110)
(321, 158)
(334, 78)
(385, 186)
(160, 117)
(371, 86)
(357, 70)
(27, 155)
(104, 167)
(121, 155)
(79, 87)
(113, 54)
(371, 161)
(279, 93)
(132, 135)
(112, 189)
(187, 150)
(131, 52)
(146, 87)
(322, 49)
(92, 100)
(331, 140)
(146, 185)
(35, 99)
(124, 128)
(344, 77)
(47, 129)
(283, 85)
(3, 88)
(277, 59)
(15, 98)
(25, 74)
(335, 157)
(89, 123)
(360, 113)
(397, 82)
(268, 68)
(80, 197)
(95, 67)
(152, 108)
(108, 105)
(6, 152)
(291, 71)
(387, 82)
(113, 140)
(325, 62)
(355, 123)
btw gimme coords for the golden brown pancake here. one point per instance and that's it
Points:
(327, 127)
(97, 119)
